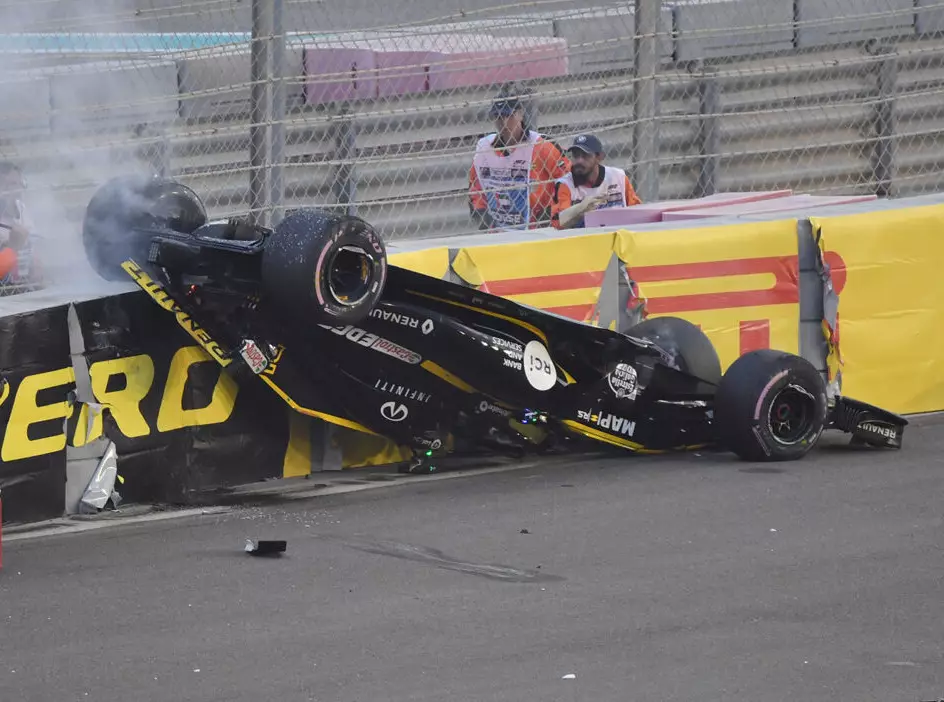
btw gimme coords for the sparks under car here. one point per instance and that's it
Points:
(313, 309)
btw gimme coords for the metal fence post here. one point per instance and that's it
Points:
(277, 185)
(260, 111)
(646, 98)
(884, 152)
(709, 106)
(157, 155)
(345, 150)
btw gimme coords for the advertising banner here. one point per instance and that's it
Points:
(739, 283)
(431, 262)
(563, 276)
(179, 423)
(891, 320)
(36, 381)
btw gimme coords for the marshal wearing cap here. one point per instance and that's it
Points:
(589, 185)
(588, 144)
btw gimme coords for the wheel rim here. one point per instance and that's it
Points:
(791, 413)
(350, 275)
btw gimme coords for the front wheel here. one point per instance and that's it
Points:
(770, 406)
(331, 268)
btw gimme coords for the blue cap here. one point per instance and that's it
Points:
(588, 143)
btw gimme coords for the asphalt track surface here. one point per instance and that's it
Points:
(647, 578)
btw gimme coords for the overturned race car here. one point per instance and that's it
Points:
(312, 309)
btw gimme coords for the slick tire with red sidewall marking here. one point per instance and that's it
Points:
(329, 269)
(770, 406)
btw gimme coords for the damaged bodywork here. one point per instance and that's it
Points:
(313, 310)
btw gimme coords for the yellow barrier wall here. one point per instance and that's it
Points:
(891, 316)
(563, 276)
(432, 262)
(739, 282)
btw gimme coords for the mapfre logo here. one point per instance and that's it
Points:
(394, 412)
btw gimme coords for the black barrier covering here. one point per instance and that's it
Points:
(179, 424)
(37, 378)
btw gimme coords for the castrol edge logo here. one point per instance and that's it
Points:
(377, 343)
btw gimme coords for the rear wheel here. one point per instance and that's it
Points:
(770, 406)
(331, 268)
(124, 213)
(692, 350)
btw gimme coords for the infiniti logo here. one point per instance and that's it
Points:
(393, 411)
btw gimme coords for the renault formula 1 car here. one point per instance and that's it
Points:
(312, 309)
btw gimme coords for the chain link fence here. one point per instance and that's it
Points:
(267, 105)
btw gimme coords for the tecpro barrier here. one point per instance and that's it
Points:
(891, 307)
(179, 425)
(853, 289)
(37, 377)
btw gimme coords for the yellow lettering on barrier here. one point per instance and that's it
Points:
(172, 414)
(27, 412)
(124, 404)
(84, 433)
(19, 440)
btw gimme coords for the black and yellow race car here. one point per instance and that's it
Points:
(313, 309)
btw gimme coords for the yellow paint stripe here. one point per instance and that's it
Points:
(706, 286)
(330, 418)
(638, 448)
(607, 438)
(567, 376)
(445, 375)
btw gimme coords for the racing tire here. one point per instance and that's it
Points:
(770, 406)
(330, 268)
(120, 212)
(692, 350)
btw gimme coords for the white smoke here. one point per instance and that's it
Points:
(76, 109)
(73, 110)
